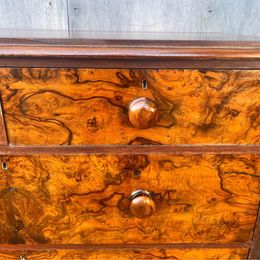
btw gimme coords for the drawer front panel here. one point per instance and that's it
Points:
(90, 106)
(85, 199)
(128, 254)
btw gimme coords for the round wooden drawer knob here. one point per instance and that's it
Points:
(142, 204)
(143, 113)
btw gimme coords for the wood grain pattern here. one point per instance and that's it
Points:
(113, 247)
(84, 199)
(217, 52)
(254, 252)
(130, 50)
(3, 137)
(128, 254)
(143, 113)
(106, 62)
(128, 149)
(85, 106)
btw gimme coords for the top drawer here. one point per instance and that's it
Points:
(91, 106)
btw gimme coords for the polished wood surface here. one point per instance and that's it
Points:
(133, 53)
(85, 106)
(141, 204)
(114, 39)
(220, 254)
(128, 149)
(85, 199)
(196, 58)
(127, 49)
(3, 138)
(132, 246)
(143, 113)
(254, 252)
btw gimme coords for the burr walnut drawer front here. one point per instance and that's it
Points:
(223, 254)
(119, 199)
(130, 106)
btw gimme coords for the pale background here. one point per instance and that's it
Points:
(222, 16)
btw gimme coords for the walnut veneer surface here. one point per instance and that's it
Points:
(221, 254)
(84, 199)
(89, 106)
(79, 164)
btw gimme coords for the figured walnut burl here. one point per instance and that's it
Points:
(90, 106)
(202, 254)
(85, 199)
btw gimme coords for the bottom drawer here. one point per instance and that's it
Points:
(187, 254)
(85, 199)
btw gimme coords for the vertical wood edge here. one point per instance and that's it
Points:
(3, 134)
(256, 238)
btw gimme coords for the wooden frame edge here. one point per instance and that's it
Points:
(256, 238)
(129, 149)
(125, 51)
(3, 134)
(18, 247)
(56, 62)
(96, 54)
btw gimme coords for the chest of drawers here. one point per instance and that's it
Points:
(129, 149)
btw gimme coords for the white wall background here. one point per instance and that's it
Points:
(223, 16)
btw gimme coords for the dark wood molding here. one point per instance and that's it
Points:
(130, 149)
(254, 251)
(129, 54)
(130, 39)
(19, 247)
(185, 63)
(3, 136)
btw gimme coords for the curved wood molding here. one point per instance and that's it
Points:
(129, 54)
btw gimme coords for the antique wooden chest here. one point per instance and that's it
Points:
(129, 149)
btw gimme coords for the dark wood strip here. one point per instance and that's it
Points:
(130, 54)
(256, 239)
(3, 136)
(131, 39)
(43, 62)
(131, 149)
(18, 247)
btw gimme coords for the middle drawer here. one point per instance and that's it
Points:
(87, 198)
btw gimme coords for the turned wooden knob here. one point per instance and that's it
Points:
(143, 113)
(142, 204)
